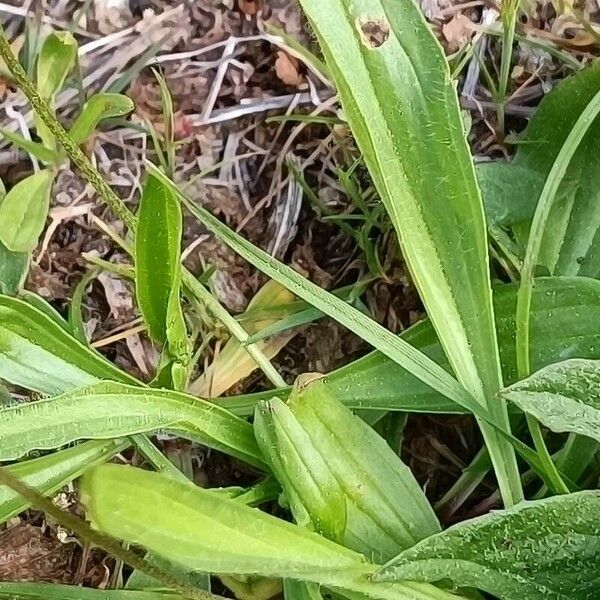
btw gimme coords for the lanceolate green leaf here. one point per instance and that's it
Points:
(56, 60)
(376, 382)
(157, 251)
(38, 354)
(110, 410)
(536, 550)
(204, 531)
(398, 96)
(24, 210)
(98, 108)
(565, 396)
(336, 470)
(50, 473)
(51, 591)
(38, 150)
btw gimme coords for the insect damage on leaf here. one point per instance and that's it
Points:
(373, 32)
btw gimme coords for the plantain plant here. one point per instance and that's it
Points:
(514, 355)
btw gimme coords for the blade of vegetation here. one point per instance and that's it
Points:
(23, 211)
(565, 397)
(36, 149)
(110, 410)
(98, 108)
(375, 382)
(55, 61)
(397, 93)
(201, 529)
(340, 476)
(38, 354)
(233, 362)
(52, 591)
(49, 474)
(536, 550)
(157, 255)
(571, 240)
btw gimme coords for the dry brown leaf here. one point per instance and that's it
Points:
(249, 7)
(457, 32)
(286, 67)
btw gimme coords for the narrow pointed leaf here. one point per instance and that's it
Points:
(157, 252)
(36, 149)
(55, 61)
(565, 397)
(50, 473)
(98, 108)
(535, 550)
(206, 532)
(401, 104)
(110, 410)
(342, 474)
(368, 329)
(24, 210)
(39, 354)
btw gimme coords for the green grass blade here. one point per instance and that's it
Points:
(36, 149)
(400, 102)
(110, 410)
(375, 382)
(555, 177)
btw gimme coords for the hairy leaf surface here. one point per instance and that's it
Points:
(206, 532)
(38, 354)
(564, 396)
(110, 410)
(549, 549)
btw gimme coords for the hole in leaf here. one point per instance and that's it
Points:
(374, 32)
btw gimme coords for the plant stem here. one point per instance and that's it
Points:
(118, 207)
(509, 23)
(534, 244)
(110, 545)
